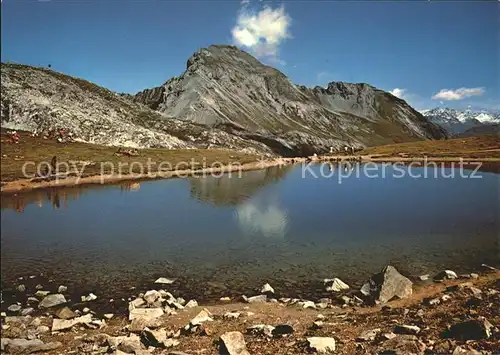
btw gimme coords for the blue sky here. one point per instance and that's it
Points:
(448, 50)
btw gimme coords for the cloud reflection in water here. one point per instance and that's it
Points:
(262, 218)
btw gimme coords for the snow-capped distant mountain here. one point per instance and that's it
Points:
(457, 121)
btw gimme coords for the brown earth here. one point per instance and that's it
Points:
(83, 163)
(344, 324)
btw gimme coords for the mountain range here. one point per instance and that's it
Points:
(226, 98)
(459, 122)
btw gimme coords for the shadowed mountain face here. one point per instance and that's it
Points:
(481, 130)
(227, 88)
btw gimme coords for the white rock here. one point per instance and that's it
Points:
(166, 295)
(257, 299)
(62, 289)
(445, 297)
(52, 301)
(261, 329)
(27, 311)
(165, 281)
(432, 301)
(14, 308)
(62, 324)
(231, 315)
(368, 335)
(335, 285)
(175, 304)
(322, 345)
(203, 316)
(41, 293)
(169, 343)
(138, 302)
(147, 313)
(234, 344)
(318, 324)
(306, 304)
(191, 304)
(151, 296)
(42, 329)
(446, 275)
(267, 288)
(109, 315)
(33, 300)
(155, 337)
(407, 329)
(90, 297)
(225, 299)
(389, 336)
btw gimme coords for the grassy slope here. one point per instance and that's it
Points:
(472, 147)
(38, 150)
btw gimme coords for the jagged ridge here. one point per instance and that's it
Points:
(457, 121)
(226, 87)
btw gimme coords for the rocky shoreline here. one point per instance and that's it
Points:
(444, 313)
(24, 185)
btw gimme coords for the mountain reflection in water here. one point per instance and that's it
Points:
(57, 197)
(269, 225)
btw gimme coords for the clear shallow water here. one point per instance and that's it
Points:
(223, 236)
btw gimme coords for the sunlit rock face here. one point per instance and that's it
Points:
(228, 88)
(41, 100)
(225, 99)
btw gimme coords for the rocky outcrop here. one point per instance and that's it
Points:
(273, 327)
(226, 98)
(41, 100)
(228, 88)
(321, 345)
(233, 343)
(387, 285)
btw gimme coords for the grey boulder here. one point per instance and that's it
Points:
(387, 285)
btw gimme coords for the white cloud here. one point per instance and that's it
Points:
(458, 94)
(262, 32)
(398, 92)
(245, 2)
(269, 220)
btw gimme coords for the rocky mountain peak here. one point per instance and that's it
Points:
(224, 86)
(458, 121)
(225, 98)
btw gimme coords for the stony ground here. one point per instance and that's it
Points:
(92, 159)
(452, 316)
